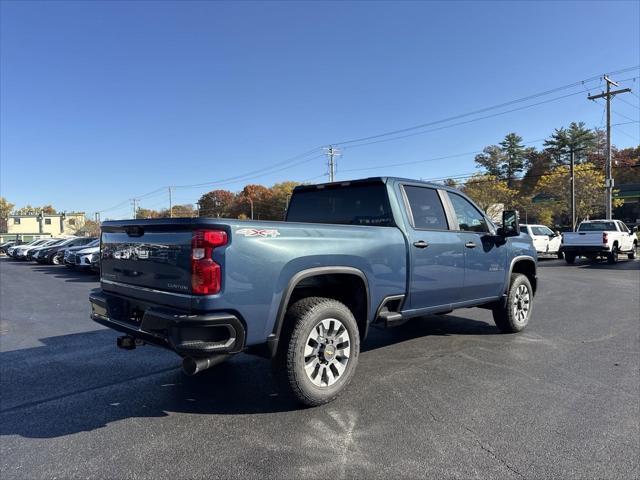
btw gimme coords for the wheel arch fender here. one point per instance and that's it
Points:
(315, 273)
(526, 265)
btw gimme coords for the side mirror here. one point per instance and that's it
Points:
(510, 224)
(635, 229)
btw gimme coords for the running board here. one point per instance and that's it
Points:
(391, 319)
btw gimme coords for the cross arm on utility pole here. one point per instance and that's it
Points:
(611, 93)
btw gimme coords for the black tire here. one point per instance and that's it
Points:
(632, 254)
(508, 315)
(612, 257)
(302, 320)
(570, 258)
(54, 260)
(560, 255)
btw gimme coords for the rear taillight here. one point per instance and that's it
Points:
(605, 237)
(205, 273)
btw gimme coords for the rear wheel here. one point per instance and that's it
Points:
(570, 258)
(319, 351)
(560, 255)
(613, 256)
(513, 315)
(633, 252)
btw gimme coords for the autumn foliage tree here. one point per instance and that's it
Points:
(556, 187)
(216, 203)
(490, 193)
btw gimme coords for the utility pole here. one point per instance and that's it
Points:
(170, 203)
(251, 203)
(608, 95)
(573, 190)
(135, 207)
(331, 154)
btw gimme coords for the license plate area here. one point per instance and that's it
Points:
(126, 310)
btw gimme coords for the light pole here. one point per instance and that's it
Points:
(251, 202)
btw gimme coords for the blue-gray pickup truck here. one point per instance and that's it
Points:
(305, 291)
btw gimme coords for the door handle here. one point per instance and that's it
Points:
(470, 245)
(420, 244)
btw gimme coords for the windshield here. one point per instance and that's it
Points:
(36, 242)
(597, 227)
(541, 230)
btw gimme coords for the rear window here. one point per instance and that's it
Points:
(426, 208)
(597, 227)
(356, 204)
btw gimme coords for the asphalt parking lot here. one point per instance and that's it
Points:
(441, 397)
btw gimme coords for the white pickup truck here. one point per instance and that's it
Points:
(599, 238)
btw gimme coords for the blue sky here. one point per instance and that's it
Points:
(101, 102)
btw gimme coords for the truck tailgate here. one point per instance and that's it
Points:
(582, 238)
(150, 256)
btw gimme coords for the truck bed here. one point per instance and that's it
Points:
(150, 260)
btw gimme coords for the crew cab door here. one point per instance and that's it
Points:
(436, 257)
(626, 240)
(485, 257)
(540, 241)
(544, 239)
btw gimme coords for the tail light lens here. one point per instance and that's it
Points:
(205, 273)
(605, 237)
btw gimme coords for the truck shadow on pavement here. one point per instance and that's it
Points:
(583, 263)
(81, 382)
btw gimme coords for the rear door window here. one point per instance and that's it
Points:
(427, 211)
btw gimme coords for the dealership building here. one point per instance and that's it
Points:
(40, 225)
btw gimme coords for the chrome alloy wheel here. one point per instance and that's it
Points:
(521, 304)
(326, 352)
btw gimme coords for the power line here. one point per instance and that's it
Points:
(629, 103)
(291, 162)
(467, 121)
(260, 172)
(415, 162)
(626, 134)
(482, 110)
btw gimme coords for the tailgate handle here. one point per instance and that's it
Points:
(134, 231)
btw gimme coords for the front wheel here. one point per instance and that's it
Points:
(55, 260)
(513, 315)
(560, 255)
(570, 258)
(320, 349)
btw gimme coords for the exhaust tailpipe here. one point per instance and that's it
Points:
(191, 365)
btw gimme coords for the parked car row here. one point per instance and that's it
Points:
(73, 252)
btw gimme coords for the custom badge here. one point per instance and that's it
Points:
(258, 232)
